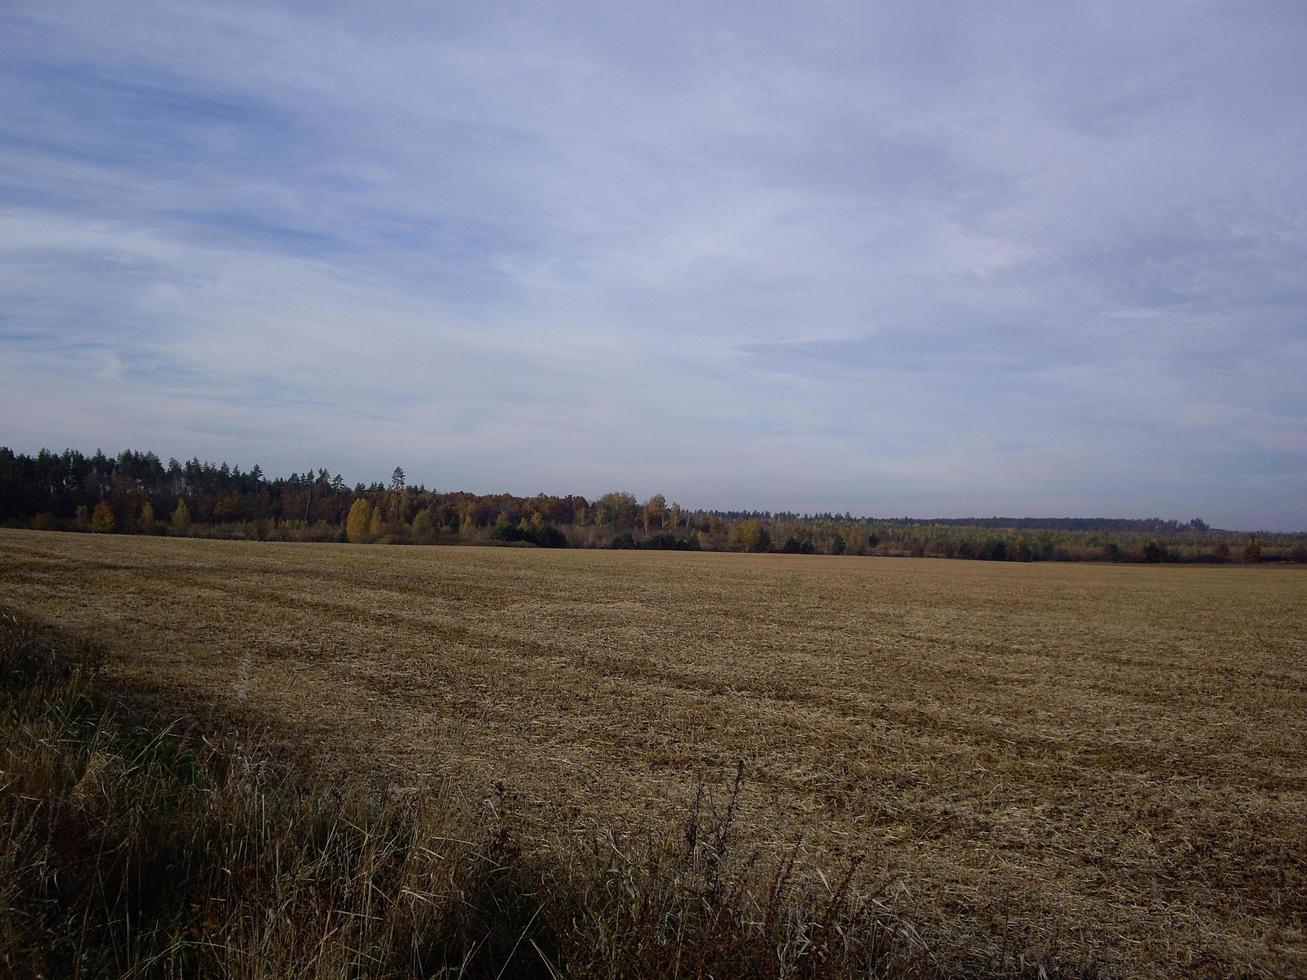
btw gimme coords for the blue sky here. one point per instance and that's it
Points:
(894, 259)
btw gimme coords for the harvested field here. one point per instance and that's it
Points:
(1106, 760)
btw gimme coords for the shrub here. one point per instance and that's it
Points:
(540, 534)
(666, 541)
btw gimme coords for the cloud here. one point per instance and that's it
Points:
(883, 259)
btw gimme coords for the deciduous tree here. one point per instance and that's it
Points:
(180, 522)
(425, 527)
(356, 523)
(655, 513)
(750, 535)
(102, 519)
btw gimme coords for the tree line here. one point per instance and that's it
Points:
(137, 493)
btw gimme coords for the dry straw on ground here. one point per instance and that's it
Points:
(1110, 761)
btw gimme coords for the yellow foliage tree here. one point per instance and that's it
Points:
(750, 535)
(181, 519)
(102, 519)
(655, 512)
(425, 528)
(356, 524)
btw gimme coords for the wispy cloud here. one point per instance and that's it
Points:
(879, 259)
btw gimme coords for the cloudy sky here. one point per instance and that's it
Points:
(896, 259)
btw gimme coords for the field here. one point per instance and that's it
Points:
(1110, 761)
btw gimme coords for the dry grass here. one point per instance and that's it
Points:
(131, 851)
(1105, 761)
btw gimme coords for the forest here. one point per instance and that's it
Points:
(137, 493)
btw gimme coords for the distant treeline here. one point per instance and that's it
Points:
(136, 493)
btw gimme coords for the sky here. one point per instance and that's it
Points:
(895, 259)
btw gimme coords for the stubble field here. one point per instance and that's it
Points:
(1110, 761)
